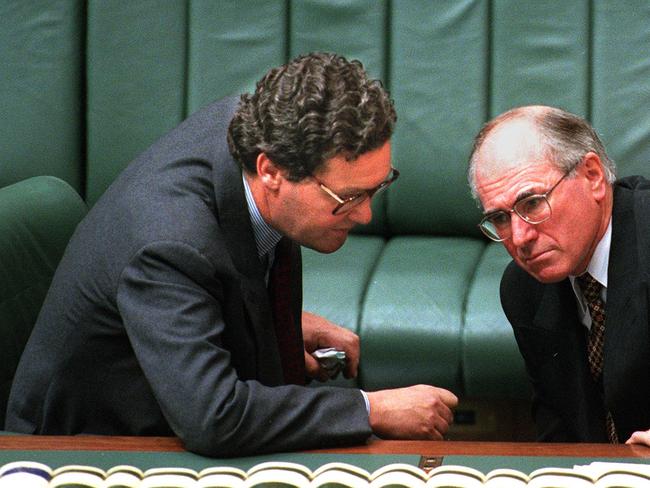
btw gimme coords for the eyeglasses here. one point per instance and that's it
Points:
(348, 203)
(533, 209)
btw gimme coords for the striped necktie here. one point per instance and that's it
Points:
(591, 291)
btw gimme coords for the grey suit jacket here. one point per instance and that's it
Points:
(567, 403)
(158, 321)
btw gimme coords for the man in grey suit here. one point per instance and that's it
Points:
(576, 292)
(158, 320)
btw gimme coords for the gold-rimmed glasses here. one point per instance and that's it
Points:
(345, 204)
(533, 209)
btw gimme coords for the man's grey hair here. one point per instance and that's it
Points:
(565, 139)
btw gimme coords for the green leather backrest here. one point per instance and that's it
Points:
(151, 64)
(87, 85)
(41, 95)
(37, 218)
(458, 63)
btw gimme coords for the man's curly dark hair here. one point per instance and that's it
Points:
(303, 113)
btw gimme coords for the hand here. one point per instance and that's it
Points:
(415, 412)
(319, 332)
(640, 437)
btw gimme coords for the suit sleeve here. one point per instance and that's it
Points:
(170, 296)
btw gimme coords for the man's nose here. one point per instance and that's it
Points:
(362, 213)
(522, 231)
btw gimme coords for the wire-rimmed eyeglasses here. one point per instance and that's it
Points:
(348, 203)
(533, 209)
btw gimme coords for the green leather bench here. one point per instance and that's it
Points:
(37, 217)
(86, 86)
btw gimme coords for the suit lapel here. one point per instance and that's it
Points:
(235, 223)
(566, 370)
(623, 285)
(557, 322)
(626, 326)
(232, 212)
(557, 308)
(561, 338)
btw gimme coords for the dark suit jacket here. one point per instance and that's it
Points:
(158, 321)
(567, 404)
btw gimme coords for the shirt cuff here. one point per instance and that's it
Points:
(365, 399)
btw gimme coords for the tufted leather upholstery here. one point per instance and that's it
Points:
(86, 86)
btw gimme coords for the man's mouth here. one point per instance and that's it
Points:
(533, 257)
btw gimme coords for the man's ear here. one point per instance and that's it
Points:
(592, 169)
(269, 174)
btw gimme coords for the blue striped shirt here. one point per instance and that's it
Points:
(266, 237)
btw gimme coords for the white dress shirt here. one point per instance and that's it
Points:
(598, 269)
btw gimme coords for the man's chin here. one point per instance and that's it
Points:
(545, 267)
(329, 246)
(547, 275)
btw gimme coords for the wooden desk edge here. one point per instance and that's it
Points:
(89, 443)
(421, 448)
(472, 448)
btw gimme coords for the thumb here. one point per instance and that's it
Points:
(448, 398)
(312, 367)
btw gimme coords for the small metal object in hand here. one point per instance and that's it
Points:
(331, 360)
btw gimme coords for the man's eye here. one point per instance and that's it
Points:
(500, 219)
(531, 205)
(353, 197)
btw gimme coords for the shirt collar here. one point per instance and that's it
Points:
(600, 260)
(266, 237)
(598, 269)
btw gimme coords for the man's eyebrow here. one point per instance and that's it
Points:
(489, 213)
(521, 196)
(351, 190)
(356, 189)
(525, 194)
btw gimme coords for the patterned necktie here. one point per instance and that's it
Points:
(591, 291)
(290, 344)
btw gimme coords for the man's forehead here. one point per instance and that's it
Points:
(510, 144)
(370, 166)
(502, 188)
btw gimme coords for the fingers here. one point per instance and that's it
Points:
(417, 412)
(319, 332)
(448, 397)
(311, 365)
(445, 413)
(440, 426)
(347, 341)
(352, 364)
(639, 437)
(447, 401)
(313, 369)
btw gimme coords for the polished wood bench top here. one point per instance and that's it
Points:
(423, 448)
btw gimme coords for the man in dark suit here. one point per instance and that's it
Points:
(576, 292)
(158, 320)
